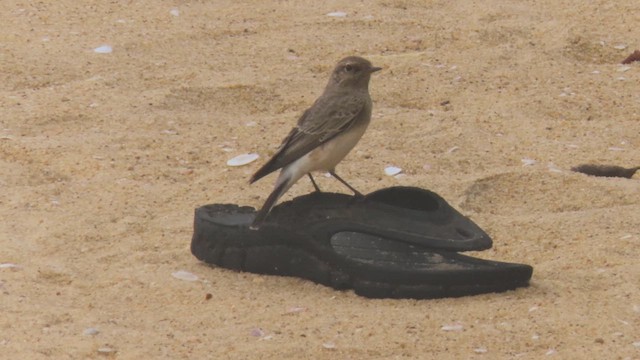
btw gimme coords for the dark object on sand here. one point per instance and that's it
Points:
(398, 242)
(606, 170)
(635, 56)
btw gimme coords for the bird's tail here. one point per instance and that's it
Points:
(282, 185)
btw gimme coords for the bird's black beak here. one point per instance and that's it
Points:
(374, 69)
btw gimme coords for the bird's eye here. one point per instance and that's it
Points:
(348, 68)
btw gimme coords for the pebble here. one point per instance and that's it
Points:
(243, 159)
(174, 12)
(337, 14)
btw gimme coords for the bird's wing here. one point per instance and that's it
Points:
(329, 116)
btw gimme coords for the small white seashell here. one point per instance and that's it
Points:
(625, 237)
(621, 78)
(392, 170)
(257, 332)
(620, 47)
(453, 149)
(175, 12)
(614, 148)
(329, 345)
(452, 327)
(106, 350)
(528, 162)
(595, 72)
(553, 168)
(533, 308)
(251, 124)
(337, 14)
(295, 309)
(550, 352)
(104, 49)
(636, 344)
(8, 266)
(535, 337)
(624, 68)
(90, 331)
(184, 275)
(480, 350)
(243, 159)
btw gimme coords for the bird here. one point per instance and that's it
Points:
(325, 133)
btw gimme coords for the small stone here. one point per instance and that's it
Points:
(174, 12)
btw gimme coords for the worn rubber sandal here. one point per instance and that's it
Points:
(313, 237)
(413, 215)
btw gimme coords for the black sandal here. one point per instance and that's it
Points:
(394, 243)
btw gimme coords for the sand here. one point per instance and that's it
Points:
(105, 156)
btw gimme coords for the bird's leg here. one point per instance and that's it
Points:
(358, 193)
(314, 183)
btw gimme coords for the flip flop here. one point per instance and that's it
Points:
(394, 243)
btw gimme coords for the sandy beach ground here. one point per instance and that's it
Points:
(104, 157)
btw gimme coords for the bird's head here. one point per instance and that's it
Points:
(353, 71)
